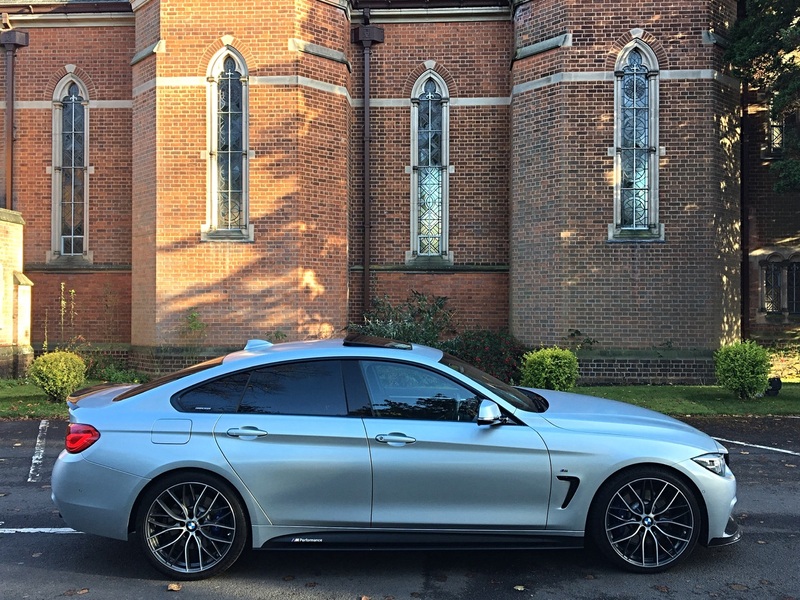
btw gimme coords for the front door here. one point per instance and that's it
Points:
(434, 467)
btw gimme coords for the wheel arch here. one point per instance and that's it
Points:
(687, 481)
(188, 471)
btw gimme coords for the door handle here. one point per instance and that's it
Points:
(246, 432)
(394, 439)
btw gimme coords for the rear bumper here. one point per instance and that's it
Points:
(92, 498)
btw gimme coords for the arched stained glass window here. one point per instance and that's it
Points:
(773, 286)
(73, 171)
(635, 149)
(228, 152)
(430, 168)
(230, 135)
(636, 146)
(70, 171)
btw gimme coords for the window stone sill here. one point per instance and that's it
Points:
(227, 235)
(440, 261)
(617, 234)
(72, 261)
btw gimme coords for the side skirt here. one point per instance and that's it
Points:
(421, 540)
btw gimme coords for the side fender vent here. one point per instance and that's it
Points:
(574, 482)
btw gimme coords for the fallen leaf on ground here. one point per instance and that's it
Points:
(519, 588)
(174, 587)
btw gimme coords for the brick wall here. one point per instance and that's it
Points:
(531, 192)
(646, 371)
(564, 273)
(94, 306)
(102, 314)
(772, 222)
(472, 59)
(293, 277)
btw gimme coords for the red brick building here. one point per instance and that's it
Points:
(194, 174)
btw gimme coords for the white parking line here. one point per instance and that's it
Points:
(39, 530)
(782, 451)
(38, 454)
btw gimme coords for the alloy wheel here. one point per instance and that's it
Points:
(190, 527)
(650, 522)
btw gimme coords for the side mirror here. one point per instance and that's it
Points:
(489, 413)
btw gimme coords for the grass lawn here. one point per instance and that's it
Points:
(696, 400)
(20, 400)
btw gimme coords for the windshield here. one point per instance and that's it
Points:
(518, 398)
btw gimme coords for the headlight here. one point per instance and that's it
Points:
(713, 462)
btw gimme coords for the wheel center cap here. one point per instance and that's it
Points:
(191, 526)
(648, 521)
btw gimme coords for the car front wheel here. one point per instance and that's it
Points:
(191, 526)
(645, 520)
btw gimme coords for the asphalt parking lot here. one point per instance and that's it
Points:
(40, 558)
(781, 433)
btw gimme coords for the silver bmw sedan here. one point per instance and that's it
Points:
(371, 443)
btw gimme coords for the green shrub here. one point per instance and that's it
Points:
(110, 369)
(743, 368)
(58, 374)
(114, 374)
(421, 319)
(550, 369)
(496, 352)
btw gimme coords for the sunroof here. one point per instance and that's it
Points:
(374, 341)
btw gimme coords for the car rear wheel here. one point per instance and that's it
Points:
(645, 520)
(191, 526)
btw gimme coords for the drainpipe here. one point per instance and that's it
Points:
(744, 194)
(367, 35)
(11, 39)
(744, 207)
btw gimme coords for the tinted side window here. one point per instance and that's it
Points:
(401, 391)
(303, 388)
(218, 396)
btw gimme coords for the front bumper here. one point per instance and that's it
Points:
(733, 534)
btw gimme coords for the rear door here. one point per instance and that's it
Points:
(294, 447)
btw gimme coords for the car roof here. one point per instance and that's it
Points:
(352, 346)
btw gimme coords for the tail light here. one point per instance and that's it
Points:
(80, 437)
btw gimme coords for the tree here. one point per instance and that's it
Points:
(765, 53)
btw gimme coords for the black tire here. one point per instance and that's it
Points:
(191, 526)
(645, 520)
